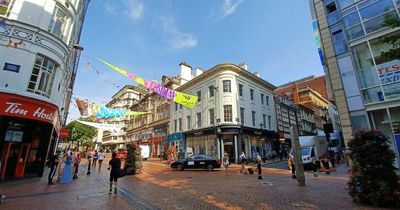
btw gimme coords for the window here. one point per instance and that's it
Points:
(180, 106)
(262, 98)
(211, 111)
(228, 113)
(344, 3)
(242, 115)
(199, 95)
(240, 90)
(175, 126)
(227, 86)
(4, 7)
(253, 117)
(267, 100)
(339, 43)
(252, 94)
(374, 15)
(264, 121)
(199, 119)
(269, 122)
(333, 15)
(58, 22)
(211, 90)
(180, 124)
(176, 107)
(41, 81)
(188, 122)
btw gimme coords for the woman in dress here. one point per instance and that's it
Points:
(66, 177)
(226, 163)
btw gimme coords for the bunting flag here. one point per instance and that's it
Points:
(87, 109)
(178, 97)
(115, 128)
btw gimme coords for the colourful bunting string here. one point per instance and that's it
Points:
(178, 97)
(87, 109)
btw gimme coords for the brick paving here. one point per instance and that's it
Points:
(159, 187)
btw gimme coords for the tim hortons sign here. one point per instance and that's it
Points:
(23, 107)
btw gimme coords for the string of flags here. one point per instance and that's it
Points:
(87, 109)
(178, 97)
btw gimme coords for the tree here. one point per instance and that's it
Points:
(82, 134)
(373, 179)
(394, 40)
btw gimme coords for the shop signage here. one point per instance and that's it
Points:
(198, 133)
(389, 72)
(64, 133)
(19, 106)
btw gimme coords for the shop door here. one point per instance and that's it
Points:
(11, 154)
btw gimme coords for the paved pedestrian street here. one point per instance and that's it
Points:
(159, 187)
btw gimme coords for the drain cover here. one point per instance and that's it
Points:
(266, 183)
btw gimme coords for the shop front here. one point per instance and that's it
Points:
(176, 140)
(156, 146)
(28, 133)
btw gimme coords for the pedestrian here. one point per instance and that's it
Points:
(100, 157)
(242, 159)
(77, 161)
(259, 161)
(226, 163)
(53, 163)
(114, 166)
(89, 157)
(2, 197)
(94, 163)
(66, 176)
(293, 167)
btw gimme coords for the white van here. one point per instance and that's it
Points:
(311, 148)
(145, 151)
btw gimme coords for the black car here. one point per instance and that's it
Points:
(197, 162)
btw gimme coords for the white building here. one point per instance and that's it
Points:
(234, 113)
(39, 48)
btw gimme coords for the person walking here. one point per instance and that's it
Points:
(89, 158)
(66, 176)
(53, 163)
(259, 161)
(100, 157)
(226, 163)
(242, 159)
(95, 156)
(77, 161)
(2, 197)
(114, 166)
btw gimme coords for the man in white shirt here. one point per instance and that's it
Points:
(100, 157)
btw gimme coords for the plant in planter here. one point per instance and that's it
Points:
(373, 179)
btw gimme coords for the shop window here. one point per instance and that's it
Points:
(366, 73)
(372, 95)
(42, 77)
(228, 113)
(226, 86)
(59, 22)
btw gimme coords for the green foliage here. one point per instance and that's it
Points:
(83, 134)
(394, 40)
(373, 179)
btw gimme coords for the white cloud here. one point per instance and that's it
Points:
(135, 9)
(176, 38)
(228, 8)
(110, 8)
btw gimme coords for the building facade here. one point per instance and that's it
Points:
(123, 99)
(39, 51)
(359, 50)
(234, 113)
(152, 128)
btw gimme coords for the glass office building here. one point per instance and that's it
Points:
(359, 44)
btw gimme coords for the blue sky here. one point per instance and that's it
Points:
(151, 38)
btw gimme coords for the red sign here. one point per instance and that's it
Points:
(24, 107)
(64, 133)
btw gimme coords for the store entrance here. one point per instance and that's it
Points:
(14, 159)
(229, 147)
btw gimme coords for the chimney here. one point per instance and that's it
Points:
(198, 71)
(243, 65)
(186, 72)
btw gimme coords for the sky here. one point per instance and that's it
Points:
(151, 38)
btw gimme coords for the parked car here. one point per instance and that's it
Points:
(122, 154)
(196, 162)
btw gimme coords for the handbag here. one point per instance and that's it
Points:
(122, 173)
